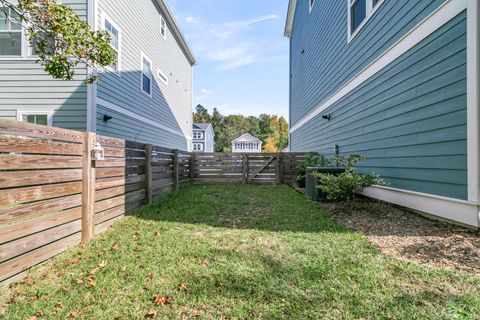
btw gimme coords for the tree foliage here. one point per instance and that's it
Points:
(270, 129)
(61, 39)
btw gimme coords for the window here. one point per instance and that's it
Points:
(197, 135)
(311, 4)
(115, 40)
(163, 77)
(163, 28)
(197, 147)
(10, 33)
(359, 11)
(146, 76)
(35, 117)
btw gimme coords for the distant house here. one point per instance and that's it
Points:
(246, 143)
(397, 82)
(203, 137)
(145, 96)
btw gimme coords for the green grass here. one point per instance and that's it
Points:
(241, 252)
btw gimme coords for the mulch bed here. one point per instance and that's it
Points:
(406, 235)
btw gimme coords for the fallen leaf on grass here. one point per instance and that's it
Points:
(72, 262)
(150, 276)
(151, 313)
(205, 262)
(79, 281)
(183, 287)
(32, 318)
(102, 264)
(115, 246)
(123, 268)
(73, 314)
(158, 233)
(161, 300)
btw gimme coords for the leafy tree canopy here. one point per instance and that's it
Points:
(271, 129)
(61, 39)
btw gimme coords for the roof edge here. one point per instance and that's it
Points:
(292, 5)
(178, 33)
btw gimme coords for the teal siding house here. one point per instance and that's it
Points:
(397, 82)
(146, 95)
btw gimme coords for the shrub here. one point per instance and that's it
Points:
(347, 185)
(312, 160)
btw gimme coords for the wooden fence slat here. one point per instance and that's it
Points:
(148, 174)
(34, 241)
(10, 179)
(116, 182)
(10, 197)
(25, 129)
(30, 146)
(22, 229)
(22, 162)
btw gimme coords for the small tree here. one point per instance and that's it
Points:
(61, 39)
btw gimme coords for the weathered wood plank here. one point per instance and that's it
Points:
(34, 241)
(116, 182)
(118, 201)
(30, 146)
(9, 197)
(26, 261)
(10, 179)
(23, 162)
(116, 191)
(25, 129)
(31, 210)
(22, 229)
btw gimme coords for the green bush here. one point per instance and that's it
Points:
(347, 185)
(312, 160)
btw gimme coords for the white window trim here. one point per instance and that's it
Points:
(198, 132)
(49, 114)
(159, 72)
(144, 56)
(370, 12)
(197, 145)
(119, 52)
(25, 49)
(164, 36)
(311, 5)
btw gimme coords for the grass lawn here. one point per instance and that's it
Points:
(237, 252)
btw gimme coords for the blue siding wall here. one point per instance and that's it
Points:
(409, 119)
(329, 61)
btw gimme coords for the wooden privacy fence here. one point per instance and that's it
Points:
(54, 195)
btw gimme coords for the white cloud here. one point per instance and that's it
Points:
(192, 20)
(205, 91)
(246, 23)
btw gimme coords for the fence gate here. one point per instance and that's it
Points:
(263, 168)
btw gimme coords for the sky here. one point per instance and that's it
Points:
(241, 51)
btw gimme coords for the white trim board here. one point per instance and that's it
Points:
(464, 212)
(473, 99)
(48, 113)
(434, 21)
(135, 116)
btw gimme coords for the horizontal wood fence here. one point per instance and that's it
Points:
(54, 195)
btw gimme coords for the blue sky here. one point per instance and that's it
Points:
(241, 52)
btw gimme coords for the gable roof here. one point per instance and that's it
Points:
(292, 5)
(247, 137)
(176, 31)
(201, 126)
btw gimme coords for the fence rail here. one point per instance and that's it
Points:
(54, 195)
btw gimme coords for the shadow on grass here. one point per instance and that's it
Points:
(237, 206)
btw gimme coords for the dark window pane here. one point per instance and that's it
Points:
(359, 12)
(375, 2)
(10, 44)
(36, 119)
(146, 84)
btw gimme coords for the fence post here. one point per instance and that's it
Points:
(192, 167)
(148, 174)
(281, 168)
(175, 170)
(88, 188)
(245, 167)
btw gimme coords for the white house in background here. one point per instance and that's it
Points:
(203, 138)
(246, 143)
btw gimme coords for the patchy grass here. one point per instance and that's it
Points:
(237, 252)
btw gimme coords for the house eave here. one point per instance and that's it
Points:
(176, 30)
(292, 5)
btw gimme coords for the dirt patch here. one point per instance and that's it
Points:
(406, 235)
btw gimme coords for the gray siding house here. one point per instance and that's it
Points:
(203, 138)
(145, 96)
(397, 82)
